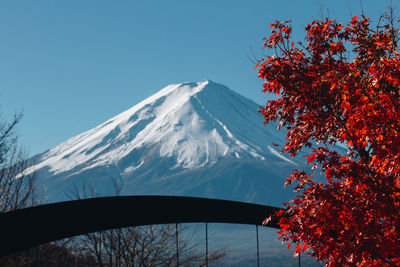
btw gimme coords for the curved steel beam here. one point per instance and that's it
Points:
(26, 228)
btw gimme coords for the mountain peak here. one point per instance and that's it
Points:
(192, 138)
(192, 124)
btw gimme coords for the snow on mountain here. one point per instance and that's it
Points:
(198, 139)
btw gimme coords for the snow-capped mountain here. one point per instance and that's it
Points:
(197, 139)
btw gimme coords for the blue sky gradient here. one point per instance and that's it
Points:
(70, 65)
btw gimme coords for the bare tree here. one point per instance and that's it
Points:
(153, 245)
(17, 190)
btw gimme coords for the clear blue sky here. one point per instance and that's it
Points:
(70, 65)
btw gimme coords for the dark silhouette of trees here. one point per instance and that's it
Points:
(49, 255)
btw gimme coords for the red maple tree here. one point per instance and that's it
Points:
(342, 86)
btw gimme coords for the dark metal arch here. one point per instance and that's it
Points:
(26, 228)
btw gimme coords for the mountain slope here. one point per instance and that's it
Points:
(197, 139)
